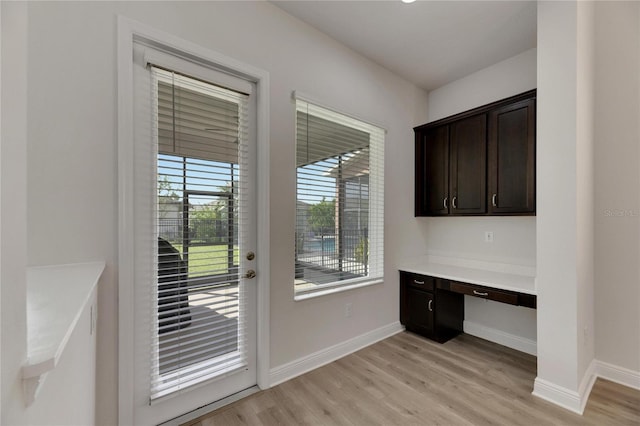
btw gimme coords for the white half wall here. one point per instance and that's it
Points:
(68, 393)
(514, 237)
(72, 160)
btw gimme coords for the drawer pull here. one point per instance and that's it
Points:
(453, 203)
(418, 282)
(444, 203)
(478, 293)
(430, 305)
(493, 200)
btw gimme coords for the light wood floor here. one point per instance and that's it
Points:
(409, 380)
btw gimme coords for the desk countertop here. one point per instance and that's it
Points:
(512, 278)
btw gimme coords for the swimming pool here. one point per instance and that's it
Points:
(326, 244)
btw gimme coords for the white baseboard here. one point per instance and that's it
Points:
(566, 398)
(557, 395)
(497, 336)
(310, 362)
(576, 401)
(619, 375)
(588, 380)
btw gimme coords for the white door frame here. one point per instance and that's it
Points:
(128, 31)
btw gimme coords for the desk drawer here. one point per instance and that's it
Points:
(484, 292)
(417, 281)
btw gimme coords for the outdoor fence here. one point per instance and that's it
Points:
(199, 231)
(344, 251)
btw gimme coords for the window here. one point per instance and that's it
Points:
(339, 201)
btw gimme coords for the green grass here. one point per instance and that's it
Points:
(209, 260)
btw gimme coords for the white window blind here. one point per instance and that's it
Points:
(339, 200)
(201, 136)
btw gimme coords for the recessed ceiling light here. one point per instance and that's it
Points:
(408, 1)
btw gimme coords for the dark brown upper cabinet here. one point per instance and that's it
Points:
(432, 162)
(468, 166)
(451, 163)
(479, 162)
(512, 151)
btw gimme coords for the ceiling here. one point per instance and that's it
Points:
(430, 43)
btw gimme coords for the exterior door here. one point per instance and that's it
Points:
(195, 292)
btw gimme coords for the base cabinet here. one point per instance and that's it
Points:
(434, 307)
(419, 311)
(425, 311)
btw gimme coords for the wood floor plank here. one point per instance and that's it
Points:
(409, 380)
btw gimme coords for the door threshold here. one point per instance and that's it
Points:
(185, 419)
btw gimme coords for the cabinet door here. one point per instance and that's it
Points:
(468, 165)
(432, 171)
(419, 315)
(512, 158)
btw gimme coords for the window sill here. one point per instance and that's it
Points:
(336, 289)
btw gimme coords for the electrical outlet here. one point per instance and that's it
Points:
(488, 236)
(347, 310)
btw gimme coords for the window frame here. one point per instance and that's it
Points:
(375, 274)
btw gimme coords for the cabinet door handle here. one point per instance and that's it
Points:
(453, 203)
(418, 282)
(430, 305)
(444, 202)
(493, 200)
(478, 293)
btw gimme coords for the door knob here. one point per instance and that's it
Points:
(250, 274)
(251, 255)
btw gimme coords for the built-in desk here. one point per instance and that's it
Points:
(432, 293)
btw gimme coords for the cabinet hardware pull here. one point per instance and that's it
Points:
(418, 282)
(453, 203)
(444, 202)
(430, 307)
(493, 200)
(477, 293)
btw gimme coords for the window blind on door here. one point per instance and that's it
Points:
(201, 135)
(339, 200)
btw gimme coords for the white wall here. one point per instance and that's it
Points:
(514, 237)
(584, 186)
(565, 201)
(506, 78)
(617, 184)
(556, 178)
(13, 205)
(72, 177)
